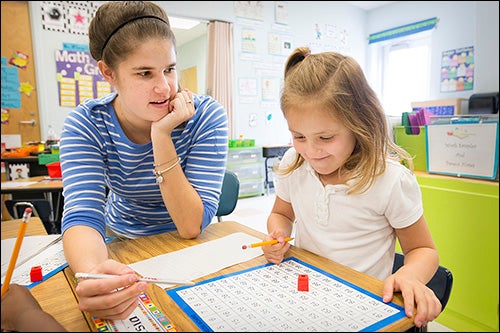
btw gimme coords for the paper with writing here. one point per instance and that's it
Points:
(199, 260)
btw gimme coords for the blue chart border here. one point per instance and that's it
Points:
(48, 275)
(204, 327)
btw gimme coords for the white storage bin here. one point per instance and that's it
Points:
(244, 155)
(251, 187)
(245, 171)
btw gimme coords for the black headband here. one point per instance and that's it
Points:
(127, 22)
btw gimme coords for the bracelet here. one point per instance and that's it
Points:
(167, 162)
(158, 174)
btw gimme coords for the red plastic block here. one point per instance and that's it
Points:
(36, 274)
(303, 282)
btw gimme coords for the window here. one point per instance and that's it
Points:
(399, 68)
(405, 69)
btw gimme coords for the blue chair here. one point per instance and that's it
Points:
(441, 284)
(229, 195)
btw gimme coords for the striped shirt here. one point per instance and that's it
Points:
(97, 158)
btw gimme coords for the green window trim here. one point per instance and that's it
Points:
(404, 30)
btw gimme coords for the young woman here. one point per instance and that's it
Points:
(343, 185)
(147, 159)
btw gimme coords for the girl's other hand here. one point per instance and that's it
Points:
(414, 292)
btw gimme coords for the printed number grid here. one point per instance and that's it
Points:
(266, 299)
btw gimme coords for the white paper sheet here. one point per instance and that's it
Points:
(199, 260)
(45, 251)
(29, 246)
(15, 184)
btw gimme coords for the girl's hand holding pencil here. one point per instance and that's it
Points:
(275, 253)
(265, 243)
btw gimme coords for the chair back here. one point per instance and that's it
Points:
(16, 208)
(441, 282)
(229, 194)
(42, 208)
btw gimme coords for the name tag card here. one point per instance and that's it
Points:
(463, 150)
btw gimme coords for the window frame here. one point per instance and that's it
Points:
(379, 57)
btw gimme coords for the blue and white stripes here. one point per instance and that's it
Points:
(96, 154)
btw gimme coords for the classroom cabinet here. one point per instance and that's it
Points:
(462, 215)
(248, 165)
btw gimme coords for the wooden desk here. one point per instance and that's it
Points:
(55, 295)
(130, 251)
(43, 184)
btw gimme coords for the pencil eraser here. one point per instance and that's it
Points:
(303, 282)
(244, 247)
(36, 274)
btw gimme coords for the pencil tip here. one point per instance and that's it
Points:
(244, 247)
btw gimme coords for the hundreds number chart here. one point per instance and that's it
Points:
(266, 298)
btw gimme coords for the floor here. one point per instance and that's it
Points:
(253, 212)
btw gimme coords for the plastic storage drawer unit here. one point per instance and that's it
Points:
(247, 163)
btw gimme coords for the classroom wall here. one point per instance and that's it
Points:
(343, 28)
(195, 54)
(461, 24)
(259, 116)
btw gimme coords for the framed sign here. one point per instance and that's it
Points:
(463, 150)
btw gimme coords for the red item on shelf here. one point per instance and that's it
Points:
(54, 169)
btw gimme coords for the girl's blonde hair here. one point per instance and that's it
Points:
(338, 82)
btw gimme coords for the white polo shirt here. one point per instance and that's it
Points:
(356, 230)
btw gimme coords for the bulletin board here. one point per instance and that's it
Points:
(20, 114)
(266, 298)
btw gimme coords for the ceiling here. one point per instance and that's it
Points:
(185, 36)
(369, 5)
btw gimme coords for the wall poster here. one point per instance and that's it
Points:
(78, 78)
(72, 17)
(457, 69)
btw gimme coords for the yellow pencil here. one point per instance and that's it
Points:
(265, 243)
(15, 251)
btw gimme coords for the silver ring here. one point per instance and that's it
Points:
(190, 102)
